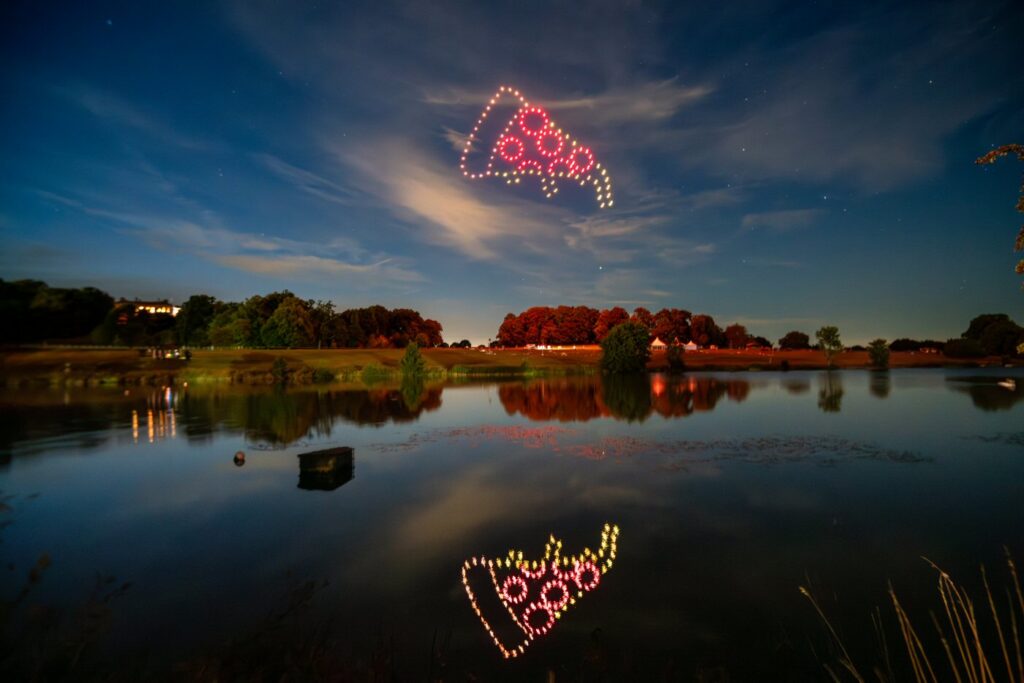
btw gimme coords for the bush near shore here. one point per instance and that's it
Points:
(126, 366)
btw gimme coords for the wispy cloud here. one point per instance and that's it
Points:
(771, 263)
(256, 253)
(642, 102)
(456, 139)
(430, 195)
(307, 181)
(782, 221)
(113, 109)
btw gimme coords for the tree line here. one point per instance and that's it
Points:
(283, 320)
(579, 325)
(32, 311)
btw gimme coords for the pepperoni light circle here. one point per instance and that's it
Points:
(582, 165)
(533, 608)
(595, 573)
(567, 574)
(511, 149)
(561, 165)
(509, 592)
(527, 165)
(544, 147)
(535, 573)
(555, 585)
(531, 115)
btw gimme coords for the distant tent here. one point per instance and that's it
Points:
(690, 346)
(657, 344)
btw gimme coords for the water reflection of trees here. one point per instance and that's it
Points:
(880, 383)
(279, 418)
(830, 392)
(990, 393)
(625, 397)
(46, 420)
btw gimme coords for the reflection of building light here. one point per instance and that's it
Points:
(135, 426)
(657, 385)
(174, 424)
(537, 593)
(149, 423)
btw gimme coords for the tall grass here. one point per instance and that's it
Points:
(965, 644)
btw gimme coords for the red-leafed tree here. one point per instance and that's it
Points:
(705, 332)
(511, 331)
(737, 336)
(671, 325)
(1009, 150)
(643, 317)
(608, 319)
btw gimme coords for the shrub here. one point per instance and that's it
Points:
(412, 364)
(879, 353)
(625, 349)
(322, 375)
(279, 370)
(674, 355)
(375, 373)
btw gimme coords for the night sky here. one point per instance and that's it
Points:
(784, 165)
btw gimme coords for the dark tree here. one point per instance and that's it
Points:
(674, 356)
(980, 323)
(192, 323)
(905, 344)
(995, 333)
(795, 341)
(625, 349)
(964, 348)
(32, 311)
(704, 331)
(879, 353)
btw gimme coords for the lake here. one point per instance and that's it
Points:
(729, 491)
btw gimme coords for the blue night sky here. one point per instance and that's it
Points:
(784, 165)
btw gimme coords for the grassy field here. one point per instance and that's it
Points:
(110, 366)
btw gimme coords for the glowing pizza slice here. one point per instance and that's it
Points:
(532, 145)
(534, 594)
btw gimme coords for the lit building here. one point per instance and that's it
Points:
(151, 307)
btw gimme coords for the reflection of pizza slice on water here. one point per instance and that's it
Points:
(531, 145)
(530, 596)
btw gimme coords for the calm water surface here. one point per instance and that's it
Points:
(731, 490)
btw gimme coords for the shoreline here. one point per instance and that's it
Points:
(368, 367)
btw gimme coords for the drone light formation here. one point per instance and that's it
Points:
(537, 593)
(532, 145)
